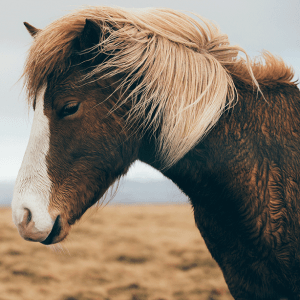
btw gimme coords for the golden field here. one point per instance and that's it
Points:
(145, 252)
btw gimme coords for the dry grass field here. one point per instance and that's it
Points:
(146, 252)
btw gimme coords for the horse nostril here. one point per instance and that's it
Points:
(33, 223)
(28, 217)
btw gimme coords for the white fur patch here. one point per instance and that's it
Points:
(32, 188)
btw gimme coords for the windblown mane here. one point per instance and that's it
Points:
(183, 68)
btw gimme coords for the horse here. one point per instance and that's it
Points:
(110, 86)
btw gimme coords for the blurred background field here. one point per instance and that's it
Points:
(116, 252)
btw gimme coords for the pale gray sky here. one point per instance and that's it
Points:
(255, 25)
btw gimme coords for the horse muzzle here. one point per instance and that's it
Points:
(50, 233)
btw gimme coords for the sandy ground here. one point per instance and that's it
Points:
(115, 253)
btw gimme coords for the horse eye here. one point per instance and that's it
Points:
(69, 109)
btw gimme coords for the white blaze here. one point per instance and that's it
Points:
(32, 188)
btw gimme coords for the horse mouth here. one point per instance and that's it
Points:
(53, 236)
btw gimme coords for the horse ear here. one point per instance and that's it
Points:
(31, 29)
(90, 35)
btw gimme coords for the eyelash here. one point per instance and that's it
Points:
(69, 109)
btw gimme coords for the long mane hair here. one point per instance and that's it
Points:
(182, 69)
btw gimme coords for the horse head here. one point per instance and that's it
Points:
(79, 145)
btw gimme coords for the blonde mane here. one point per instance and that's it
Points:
(182, 69)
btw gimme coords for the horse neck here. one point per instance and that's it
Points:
(185, 173)
(226, 152)
(188, 172)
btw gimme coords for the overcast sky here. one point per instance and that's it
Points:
(255, 25)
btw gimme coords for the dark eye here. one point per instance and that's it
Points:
(69, 109)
